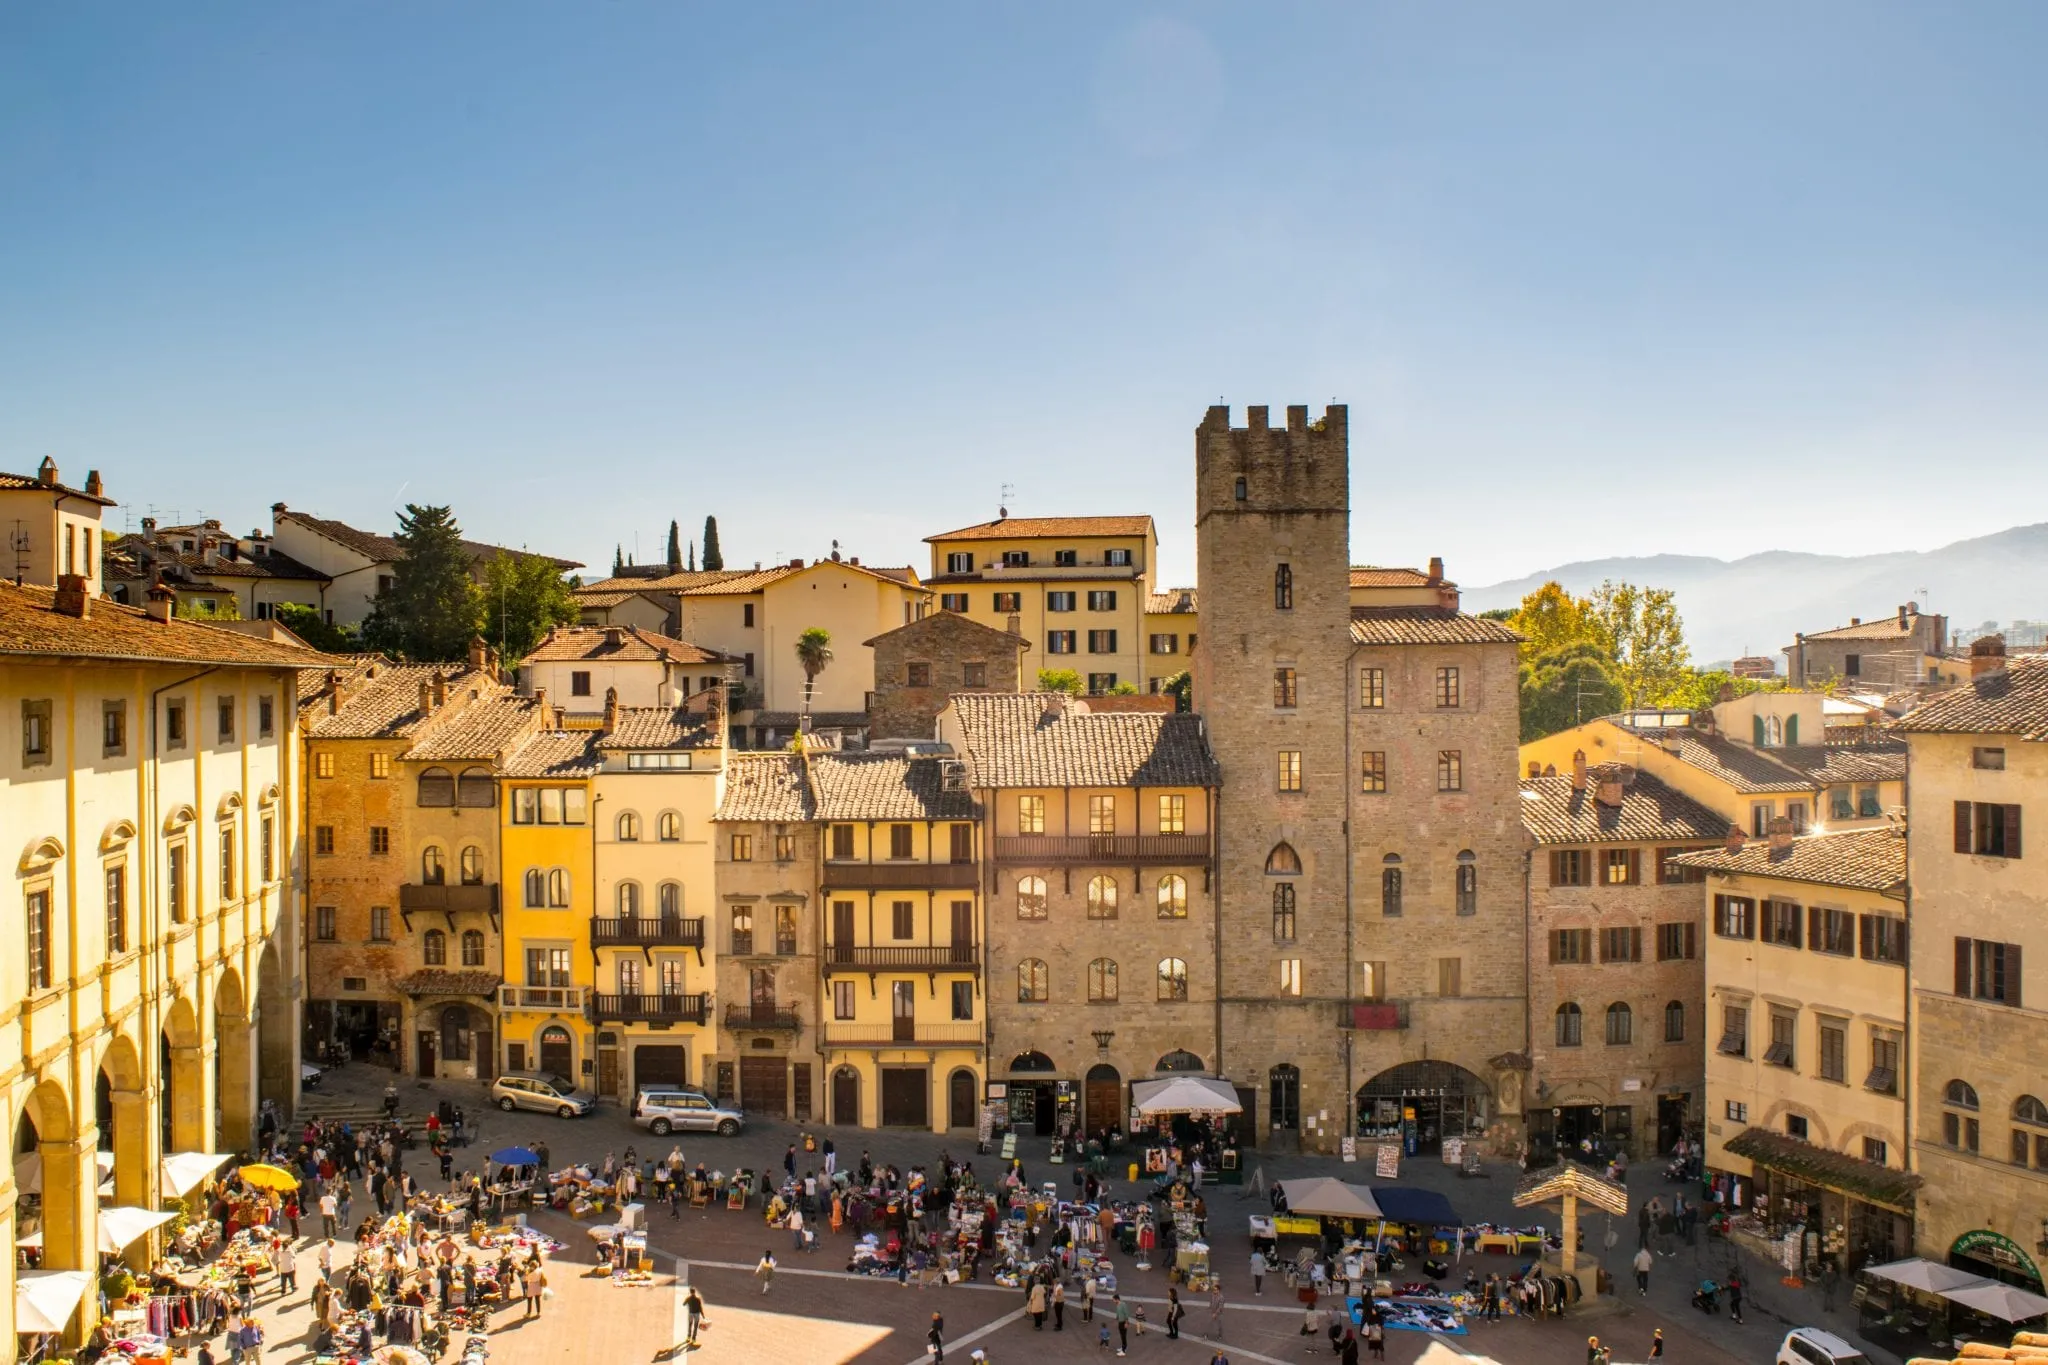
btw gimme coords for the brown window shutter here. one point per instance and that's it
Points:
(1816, 928)
(2012, 831)
(1962, 827)
(1866, 935)
(1692, 941)
(1635, 864)
(1964, 949)
(1556, 873)
(2012, 968)
(1905, 951)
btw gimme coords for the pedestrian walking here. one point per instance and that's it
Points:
(796, 1229)
(1657, 1345)
(1215, 1309)
(1088, 1301)
(286, 1265)
(1258, 1272)
(251, 1339)
(1828, 1279)
(330, 1209)
(1312, 1327)
(1059, 1306)
(693, 1308)
(1735, 1298)
(535, 1284)
(1376, 1339)
(789, 1161)
(1175, 1311)
(1034, 1304)
(1642, 1264)
(1347, 1353)
(934, 1335)
(1123, 1324)
(831, 1160)
(765, 1271)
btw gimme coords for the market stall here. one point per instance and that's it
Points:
(44, 1301)
(1917, 1303)
(184, 1172)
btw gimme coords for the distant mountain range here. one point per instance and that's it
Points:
(1755, 604)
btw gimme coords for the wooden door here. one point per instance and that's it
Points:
(555, 1054)
(486, 1054)
(903, 1011)
(906, 1098)
(960, 1108)
(764, 1085)
(427, 1041)
(1104, 1099)
(842, 931)
(846, 1097)
(800, 1091)
(607, 1069)
(963, 931)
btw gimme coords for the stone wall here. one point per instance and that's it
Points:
(945, 643)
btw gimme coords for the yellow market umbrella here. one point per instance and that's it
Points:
(266, 1177)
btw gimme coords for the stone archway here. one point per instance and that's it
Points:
(68, 1203)
(277, 1036)
(234, 1067)
(124, 1123)
(183, 1103)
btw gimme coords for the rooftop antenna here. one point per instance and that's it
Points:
(1006, 493)
(18, 542)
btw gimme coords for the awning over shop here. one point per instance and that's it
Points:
(28, 1172)
(1185, 1095)
(1406, 1204)
(1838, 1171)
(1930, 1276)
(44, 1300)
(1323, 1197)
(2001, 1301)
(186, 1171)
(120, 1228)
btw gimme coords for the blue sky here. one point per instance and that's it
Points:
(1594, 278)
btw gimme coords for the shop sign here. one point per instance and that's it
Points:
(1989, 1246)
(998, 1090)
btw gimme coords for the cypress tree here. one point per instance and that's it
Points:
(693, 556)
(713, 559)
(675, 548)
(618, 560)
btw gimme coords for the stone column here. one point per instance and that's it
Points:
(1568, 1258)
(192, 1096)
(137, 1175)
(235, 1037)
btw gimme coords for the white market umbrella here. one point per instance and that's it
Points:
(185, 1171)
(1323, 1197)
(44, 1300)
(120, 1228)
(1185, 1095)
(2000, 1301)
(28, 1172)
(1929, 1276)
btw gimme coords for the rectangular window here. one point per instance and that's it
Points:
(1795, 1126)
(323, 839)
(953, 601)
(1571, 867)
(1372, 981)
(902, 920)
(117, 908)
(842, 842)
(1164, 644)
(1621, 866)
(1760, 813)
(1673, 874)
(1059, 601)
(1735, 917)
(1390, 891)
(899, 841)
(266, 716)
(380, 840)
(1987, 830)
(1677, 941)
(579, 682)
(1884, 1062)
(842, 1000)
(1447, 687)
(1290, 976)
(1102, 642)
(1450, 770)
(1016, 559)
(1737, 1111)
(1674, 1022)
(748, 660)
(974, 673)
(1875, 1151)
(1623, 943)
(1009, 601)
(1101, 599)
(1571, 945)
(1468, 889)
(1101, 684)
(1065, 559)
(1173, 815)
(1734, 1031)
(1784, 1036)
(1959, 1131)
(380, 924)
(323, 765)
(960, 843)
(323, 923)
(1031, 815)
(550, 805)
(175, 885)
(380, 766)
(227, 864)
(1841, 803)
(525, 806)
(41, 973)
(1059, 642)
(963, 999)
(1283, 688)
(1881, 938)
(1117, 559)
(1834, 1049)
(174, 731)
(742, 848)
(1290, 770)
(1283, 588)
(1372, 772)
(1450, 976)
(1831, 931)
(36, 737)
(1102, 815)
(1283, 912)
(785, 930)
(1781, 924)
(1988, 760)
(785, 847)
(113, 729)
(960, 561)
(226, 713)
(1372, 688)
(1988, 971)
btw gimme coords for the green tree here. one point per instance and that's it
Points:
(714, 558)
(675, 547)
(1565, 687)
(1126, 688)
(1181, 687)
(1497, 614)
(693, 556)
(618, 560)
(304, 622)
(813, 653)
(524, 597)
(1645, 639)
(1059, 680)
(432, 608)
(223, 609)
(1551, 618)
(1700, 688)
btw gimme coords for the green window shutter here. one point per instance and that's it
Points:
(1791, 729)
(1756, 726)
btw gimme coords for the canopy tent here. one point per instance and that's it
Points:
(2001, 1301)
(1323, 1197)
(1929, 1276)
(1185, 1095)
(516, 1156)
(120, 1228)
(185, 1171)
(28, 1172)
(44, 1300)
(1406, 1204)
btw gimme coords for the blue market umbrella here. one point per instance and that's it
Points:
(516, 1156)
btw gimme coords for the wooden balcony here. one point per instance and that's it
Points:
(906, 1033)
(780, 1018)
(552, 999)
(661, 931)
(1372, 1015)
(1115, 850)
(856, 957)
(418, 896)
(653, 1009)
(901, 876)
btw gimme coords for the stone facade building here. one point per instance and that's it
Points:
(1101, 929)
(919, 667)
(1616, 969)
(1892, 652)
(1372, 981)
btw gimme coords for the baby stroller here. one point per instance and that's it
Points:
(1707, 1297)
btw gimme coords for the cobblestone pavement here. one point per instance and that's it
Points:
(817, 1313)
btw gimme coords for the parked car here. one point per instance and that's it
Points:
(662, 1112)
(309, 1076)
(1812, 1346)
(540, 1091)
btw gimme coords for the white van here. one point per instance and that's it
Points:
(1812, 1346)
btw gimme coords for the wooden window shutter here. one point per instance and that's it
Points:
(1692, 940)
(1556, 870)
(1866, 935)
(2012, 831)
(1962, 827)
(2012, 968)
(1756, 730)
(1791, 729)
(1899, 936)
(1635, 864)
(1816, 927)
(1964, 950)
(1556, 937)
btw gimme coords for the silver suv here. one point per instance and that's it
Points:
(662, 1112)
(540, 1091)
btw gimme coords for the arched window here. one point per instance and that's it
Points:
(2027, 1109)
(1173, 979)
(472, 865)
(434, 946)
(1674, 1021)
(1031, 898)
(1032, 1061)
(1283, 588)
(1621, 1025)
(629, 900)
(536, 889)
(1031, 982)
(437, 787)
(1468, 883)
(1283, 861)
(1960, 1094)
(1101, 981)
(1283, 1084)
(629, 827)
(1390, 890)
(1283, 911)
(1180, 1059)
(629, 975)
(558, 888)
(668, 899)
(1173, 896)
(476, 789)
(1101, 898)
(1774, 731)
(668, 827)
(1959, 1126)
(472, 947)
(1568, 1020)
(433, 870)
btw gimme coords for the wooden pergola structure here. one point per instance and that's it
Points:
(1568, 1182)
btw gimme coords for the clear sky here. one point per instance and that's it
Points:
(1594, 278)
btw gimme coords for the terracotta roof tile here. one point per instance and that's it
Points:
(1865, 859)
(660, 727)
(1042, 739)
(567, 644)
(2013, 701)
(30, 627)
(1555, 814)
(1877, 757)
(886, 787)
(823, 720)
(1878, 628)
(1374, 576)
(1426, 626)
(135, 551)
(385, 550)
(757, 579)
(490, 727)
(441, 981)
(23, 481)
(952, 623)
(668, 582)
(1022, 528)
(1173, 600)
(381, 700)
(768, 787)
(556, 753)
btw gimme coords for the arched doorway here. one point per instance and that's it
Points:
(1283, 1096)
(1035, 1097)
(64, 1207)
(123, 1114)
(558, 1052)
(1180, 1059)
(960, 1106)
(277, 1067)
(1419, 1104)
(234, 1067)
(1102, 1099)
(185, 1113)
(846, 1097)
(456, 1052)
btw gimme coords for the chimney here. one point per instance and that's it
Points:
(426, 697)
(46, 473)
(93, 484)
(797, 563)
(1607, 788)
(478, 654)
(440, 690)
(333, 682)
(611, 709)
(613, 637)
(149, 528)
(1903, 614)
(1015, 624)
(1735, 839)
(540, 700)
(1987, 655)
(209, 551)
(161, 599)
(72, 599)
(1781, 833)
(1726, 692)
(1578, 770)
(1535, 768)
(854, 560)
(1436, 568)
(1855, 620)
(1550, 770)
(1055, 706)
